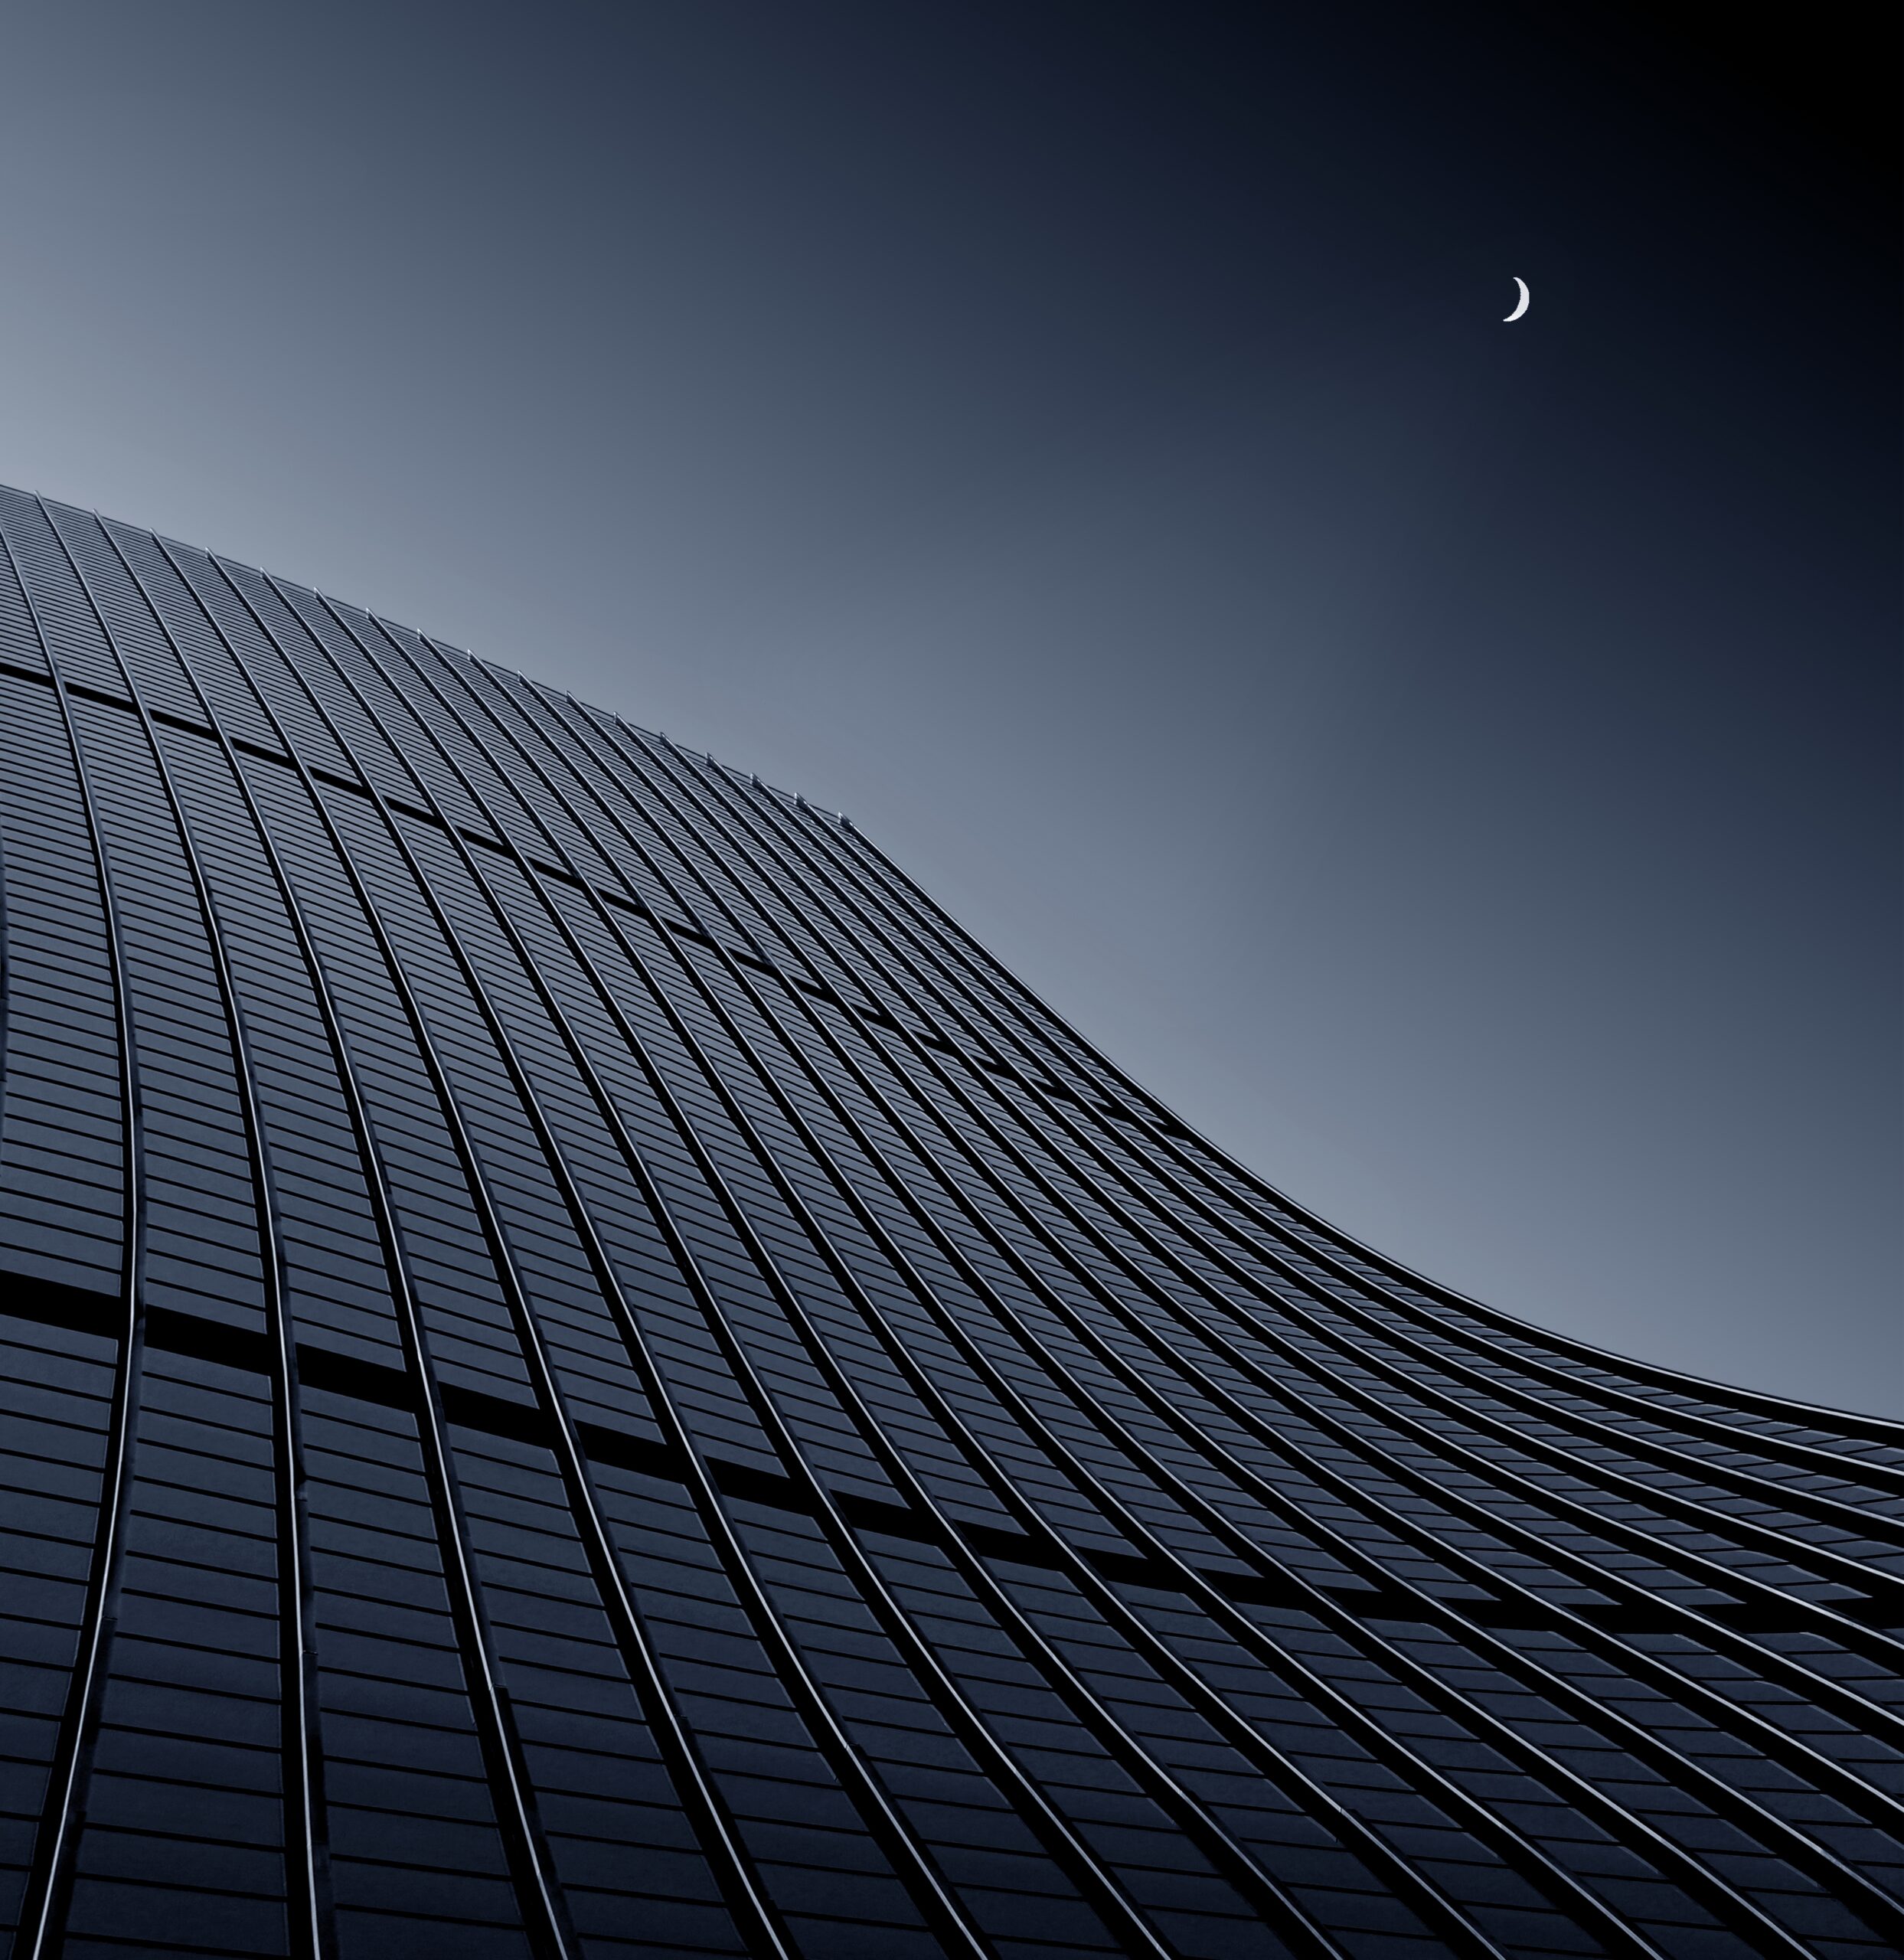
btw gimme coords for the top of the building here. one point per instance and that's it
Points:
(793, 799)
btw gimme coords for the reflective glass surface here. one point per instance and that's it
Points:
(586, 1377)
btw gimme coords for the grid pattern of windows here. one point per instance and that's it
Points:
(585, 1377)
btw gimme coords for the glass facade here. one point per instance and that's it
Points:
(586, 1376)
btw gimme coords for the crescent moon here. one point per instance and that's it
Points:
(1520, 305)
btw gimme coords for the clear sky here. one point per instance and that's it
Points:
(1455, 764)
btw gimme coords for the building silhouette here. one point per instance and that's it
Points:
(586, 1376)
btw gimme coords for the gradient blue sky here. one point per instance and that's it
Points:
(1454, 764)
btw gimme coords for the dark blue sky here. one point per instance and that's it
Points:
(1454, 763)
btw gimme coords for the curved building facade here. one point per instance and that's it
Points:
(586, 1377)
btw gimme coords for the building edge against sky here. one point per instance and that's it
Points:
(587, 1375)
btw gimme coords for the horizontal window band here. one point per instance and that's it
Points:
(677, 929)
(170, 1331)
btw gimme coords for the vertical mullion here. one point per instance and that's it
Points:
(714, 1828)
(544, 1911)
(669, 844)
(1733, 1906)
(1188, 1812)
(1832, 1624)
(306, 1852)
(1439, 1910)
(1799, 1849)
(946, 946)
(6, 990)
(1582, 1902)
(767, 1936)
(1243, 1181)
(542, 1918)
(633, 757)
(1801, 1455)
(50, 1879)
(1097, 1884)
(890, 932)
(1857, 1709)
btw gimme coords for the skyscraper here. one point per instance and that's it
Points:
(586, 1376)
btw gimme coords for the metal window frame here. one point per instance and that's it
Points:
(543, 1924)
(913, 1864)
(1289, 1917)
(307, 1851)
(49, 1877)
(1159, 1122)
(1441, 1911)
(1800, 1850)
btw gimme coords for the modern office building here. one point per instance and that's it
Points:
(585, 1375)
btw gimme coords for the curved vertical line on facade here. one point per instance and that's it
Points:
(1802, 1849)
(964, 1721)
(1349, 1302)
(967, 953)
(6, 991)
(1189, 1812)
(958, 948)
(1680, 1684)
(1194, 1382)
(1833, 1625)
(1695, 1422)
(1221, 1610)
(1019, 1000)
(1850, 1570)
(767, 1933)
(1879, 1588)
(312, 1932)
(714, 1828)
(1810, 1458)
(1238, 1542)
(1210, 1705)
(1846, 1570)
(1439, 1908)
(1823, 1510)
(49, 1877)
(1841, 1568)
(1821, 1864)
(543, 1923)
(1855, 1707)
